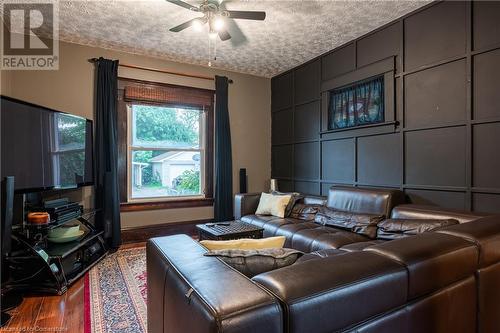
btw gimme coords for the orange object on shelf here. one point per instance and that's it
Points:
(38, 217)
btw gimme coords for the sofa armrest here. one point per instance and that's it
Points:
(245, 204)
(190, 292)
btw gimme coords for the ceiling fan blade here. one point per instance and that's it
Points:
(246, 15)
(184, 5)
(184, 25)
(237, 36)
(224, 35)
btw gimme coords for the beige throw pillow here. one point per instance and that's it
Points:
(245, 243)
(275, 205)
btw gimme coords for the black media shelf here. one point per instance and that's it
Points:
(52, 267)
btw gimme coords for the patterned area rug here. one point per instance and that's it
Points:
(116, 293)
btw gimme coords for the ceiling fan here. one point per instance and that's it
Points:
(218, 18)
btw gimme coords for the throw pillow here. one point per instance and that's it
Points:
(253, 262)
(364, 224)
(245, 243)
(275, 205)
(304, 212)
(400, 228)
(296, 197)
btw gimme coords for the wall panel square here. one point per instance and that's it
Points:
(282, 127)
(436, 96)
(338, 160)
(311, 188)
(486, 202)
(486, 23)
(486, 83)
(306, 121)
(339, 62)
(282, 161)
(306, 164)
(379, 45)
(435, 34)
(285, 185)
(486, 155)
(379, 161)
(447, 199)
(436, 157)
(307, 82)
(282, 91)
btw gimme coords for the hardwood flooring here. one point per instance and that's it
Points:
(63, 313)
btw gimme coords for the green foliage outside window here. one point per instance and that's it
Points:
(166, 125)
(190, 180)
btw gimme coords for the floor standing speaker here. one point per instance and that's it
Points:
(7, 213)
(7, 204)
(243, 180)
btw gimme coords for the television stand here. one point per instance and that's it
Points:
(53, 268)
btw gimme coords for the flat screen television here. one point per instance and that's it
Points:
(44, 149)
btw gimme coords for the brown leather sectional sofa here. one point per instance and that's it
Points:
(445, 280)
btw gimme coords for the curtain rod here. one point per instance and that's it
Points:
(93, 60)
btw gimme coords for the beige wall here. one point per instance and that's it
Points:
(70, 89)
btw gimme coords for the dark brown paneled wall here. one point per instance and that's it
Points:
(445, 147)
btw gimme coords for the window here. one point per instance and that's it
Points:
(166, 145)
(166, 152)
(358, 104)
(68, 149)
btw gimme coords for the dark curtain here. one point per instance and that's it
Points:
(106, 144)
(223, 206)
(358, 104)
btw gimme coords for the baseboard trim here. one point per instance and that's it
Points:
(142, 234)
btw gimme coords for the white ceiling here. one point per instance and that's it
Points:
(293, 32)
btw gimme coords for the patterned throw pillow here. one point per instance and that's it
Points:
(304, 212)
(253, 262)
(364, 224)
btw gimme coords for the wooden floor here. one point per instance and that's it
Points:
(52, 313)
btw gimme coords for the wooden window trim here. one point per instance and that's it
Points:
(167, 203)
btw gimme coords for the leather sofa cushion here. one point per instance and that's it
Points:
(360, 246)
(302, 235)
(340, 291)
(485, 233)
(320, 254)
(304, 212)
(364, 224)
(412, 211)
(313, 200)
(445, 258)
(399, 228)
(253, 262)
(359, 200)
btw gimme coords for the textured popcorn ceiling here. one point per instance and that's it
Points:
(293, 32)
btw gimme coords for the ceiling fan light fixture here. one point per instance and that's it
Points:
(197, 25)
(212, 35)
(218, 23)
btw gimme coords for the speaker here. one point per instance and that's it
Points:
(7, 213)
(7, 300)
(243, 180)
